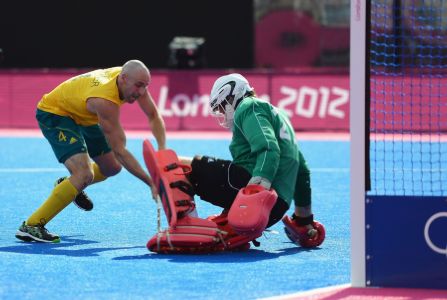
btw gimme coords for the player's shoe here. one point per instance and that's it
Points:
(81, 200)
(36, 233)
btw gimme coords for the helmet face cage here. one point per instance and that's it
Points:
(222, 104)
(223, 112)
(225, 94)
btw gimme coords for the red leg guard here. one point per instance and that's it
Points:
(232, 240)
(190, 235)
(194, 235)
(176, 193)
(186, 234)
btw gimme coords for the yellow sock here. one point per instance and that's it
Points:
(97, 175)
(62, 195)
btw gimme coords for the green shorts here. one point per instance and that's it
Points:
(68, 138)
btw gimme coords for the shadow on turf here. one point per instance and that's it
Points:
(61, 248)
(223, 257)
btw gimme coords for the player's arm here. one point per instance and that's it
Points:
(108, 114)
(156, 122)
(260, 134)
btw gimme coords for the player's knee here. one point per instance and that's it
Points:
(112, 170)
(81, 178)
(116, 169)
(86, 177)
(197, 157)
(195, 170)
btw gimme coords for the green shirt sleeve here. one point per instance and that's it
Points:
(256, 126)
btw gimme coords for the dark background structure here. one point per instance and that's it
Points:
(100, 33)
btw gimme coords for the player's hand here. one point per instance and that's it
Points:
(258, 180)
(307, 236)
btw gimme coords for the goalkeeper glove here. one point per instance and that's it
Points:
(304, 231)
(258, 180)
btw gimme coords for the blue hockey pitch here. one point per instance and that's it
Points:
(103, 252)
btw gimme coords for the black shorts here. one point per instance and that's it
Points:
(218, 181)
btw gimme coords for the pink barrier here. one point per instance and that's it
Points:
(314, 102)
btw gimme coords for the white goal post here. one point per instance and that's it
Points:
(357, 131)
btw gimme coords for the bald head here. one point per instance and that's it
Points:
(133, 80)
(135, 67)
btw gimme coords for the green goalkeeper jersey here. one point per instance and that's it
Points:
(264, 143)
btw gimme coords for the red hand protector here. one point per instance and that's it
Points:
(250, 211)
(253, 189)
(299, 234)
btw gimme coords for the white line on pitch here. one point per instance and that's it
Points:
(31, 170)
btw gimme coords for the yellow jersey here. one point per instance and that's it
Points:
(70, 97)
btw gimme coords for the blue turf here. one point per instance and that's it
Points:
(103, 256)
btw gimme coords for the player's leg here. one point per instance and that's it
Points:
(69, 147)
(186, 160)
(278, 211)
(105, 164)
(216, 180)
(61, 196)
(219, 181)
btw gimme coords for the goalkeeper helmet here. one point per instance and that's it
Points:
(226, 94)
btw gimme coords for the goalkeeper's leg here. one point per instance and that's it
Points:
(215, 180)
(218, 182)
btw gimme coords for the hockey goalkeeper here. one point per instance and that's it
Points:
(268, 172)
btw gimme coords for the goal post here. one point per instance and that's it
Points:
(357, 134)
(398, 127)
